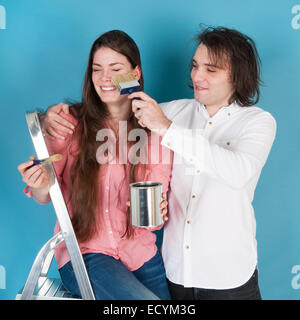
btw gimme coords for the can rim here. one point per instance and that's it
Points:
(145, 184)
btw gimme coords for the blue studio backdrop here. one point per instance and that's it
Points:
(44, 48)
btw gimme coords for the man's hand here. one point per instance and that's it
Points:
(149, 114)
(53, 122)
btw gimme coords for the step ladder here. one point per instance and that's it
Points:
(38, 286)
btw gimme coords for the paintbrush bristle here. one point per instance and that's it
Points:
(122, 78)
(126, 83)
(55, 157)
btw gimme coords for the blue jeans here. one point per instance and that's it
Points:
(111, 280)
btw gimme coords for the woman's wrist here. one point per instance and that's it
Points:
(41, 194)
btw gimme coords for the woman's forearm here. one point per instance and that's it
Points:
(41, 195)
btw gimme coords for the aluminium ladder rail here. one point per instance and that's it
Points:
(43, 260)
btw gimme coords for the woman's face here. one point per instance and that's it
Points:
(107, 63)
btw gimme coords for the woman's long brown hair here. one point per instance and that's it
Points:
(91, 115)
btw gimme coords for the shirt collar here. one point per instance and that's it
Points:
(230, 109)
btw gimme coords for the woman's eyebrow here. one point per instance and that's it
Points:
(111, 64)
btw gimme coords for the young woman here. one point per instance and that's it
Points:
(122, 261)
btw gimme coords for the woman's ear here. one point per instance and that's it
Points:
(137, 72)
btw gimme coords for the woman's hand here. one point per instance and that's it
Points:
(36, 178)
(53, 122)
(163, 206)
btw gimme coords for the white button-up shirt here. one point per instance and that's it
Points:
(209, 240)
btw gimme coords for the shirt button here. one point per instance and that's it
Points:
(198, 171)
(228, 113)
(228, 143)
(107, 187)
(210, 123)
(187, 247)
(106, 210)
(193, 196)
(110, 232)
(188, 222)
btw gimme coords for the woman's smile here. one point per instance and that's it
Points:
(108, 88)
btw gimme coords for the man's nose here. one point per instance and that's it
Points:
(199, 75)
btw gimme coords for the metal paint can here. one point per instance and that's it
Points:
(145, 198)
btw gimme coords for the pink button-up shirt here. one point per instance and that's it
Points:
(111, 212)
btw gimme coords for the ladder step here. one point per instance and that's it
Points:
(54, 288)
(50, 289)
(46, 286)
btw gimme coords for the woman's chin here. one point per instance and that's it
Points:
(114, 100)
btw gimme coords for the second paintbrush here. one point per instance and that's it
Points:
(54, 158)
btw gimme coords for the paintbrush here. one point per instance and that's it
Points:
(126, 83)
(54, 158)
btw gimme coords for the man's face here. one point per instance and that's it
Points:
(211, 80)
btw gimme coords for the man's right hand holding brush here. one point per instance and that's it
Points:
(149, 113)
